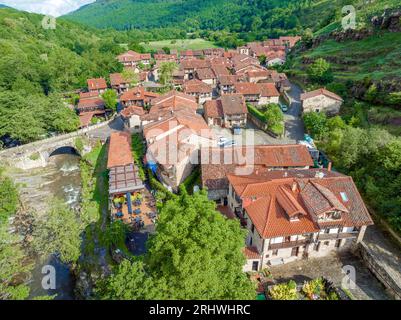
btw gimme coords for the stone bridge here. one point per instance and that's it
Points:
(37, 154)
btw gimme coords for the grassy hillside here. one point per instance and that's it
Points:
(180, 44)
(375, 57)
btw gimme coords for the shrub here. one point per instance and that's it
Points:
(284, 291)
(79, 144)
(34, 156)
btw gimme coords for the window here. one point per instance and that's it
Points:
(344, 196)
(250, 241)
(327, 243)
(338, 243)
(252, 228)
(275, 252)
(255, 265)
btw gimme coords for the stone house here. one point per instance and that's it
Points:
(228, 111)
(321, 100)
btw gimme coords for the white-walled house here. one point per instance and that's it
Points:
(290, 216)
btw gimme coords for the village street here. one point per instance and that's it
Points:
(294, 127)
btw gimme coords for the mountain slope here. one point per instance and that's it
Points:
(262, 17)
(238, 15)
(37, 67)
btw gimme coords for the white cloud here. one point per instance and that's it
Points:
(51, 7)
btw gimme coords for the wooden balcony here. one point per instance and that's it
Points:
(334, 236)
(288, 244)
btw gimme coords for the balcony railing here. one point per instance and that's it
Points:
(341, 235)
(289, 244)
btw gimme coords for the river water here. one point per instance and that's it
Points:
(61, 179)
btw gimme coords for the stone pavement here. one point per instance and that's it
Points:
(367, 286)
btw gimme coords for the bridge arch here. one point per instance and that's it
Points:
(64, 150)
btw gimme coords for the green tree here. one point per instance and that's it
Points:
(166, 72)
(59, 231)
(275, 118)
(189, 257)
(320, 72)
(13, 265)
(192, 254)
(131, 77)
(128, 282)
(110, 99)
(8, 198)
(262, 59)
(316, 124)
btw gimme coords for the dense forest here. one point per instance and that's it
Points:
(246, 19)
(38, 66)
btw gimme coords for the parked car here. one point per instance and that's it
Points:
(230, 143)
(283, 107)
(222, 141)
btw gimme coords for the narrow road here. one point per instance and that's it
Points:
(294, 126)
(104, 132)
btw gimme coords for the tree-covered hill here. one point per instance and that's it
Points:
(38, 65)
(249, 18)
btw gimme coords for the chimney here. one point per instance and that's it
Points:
(329, 166)
(294, 186)
(285, 174)
(257, 171)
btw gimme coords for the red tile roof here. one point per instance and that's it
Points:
(132, 56)
(119, 153)
(194, 64)
(216, 163)
(251, 253)
(319, 92)
(196, 86)
(229, 80)
(97, 84)
(270, 203)
(90, 103)
(86, 117)
(165, 57)
(205, 74)
(213, 109)
(233, 104)
(251, 88)
(117, 79)
(138, 93)
(173, 100)
(132, 110)
(87, 95)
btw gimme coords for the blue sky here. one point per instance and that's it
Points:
(52, 7)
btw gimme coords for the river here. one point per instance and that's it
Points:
(60, 178)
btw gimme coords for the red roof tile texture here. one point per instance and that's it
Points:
(119, 153)
(272, 202)
(97, 84)
(319, 92)
(216, 163)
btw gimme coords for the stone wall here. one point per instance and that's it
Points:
(379, 270)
